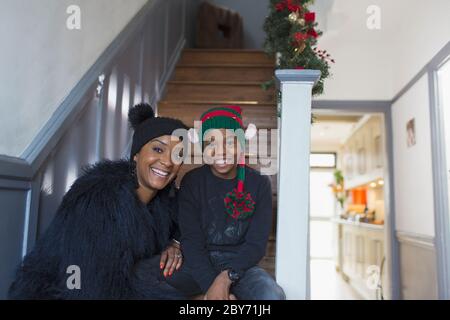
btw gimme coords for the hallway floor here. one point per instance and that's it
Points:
(327, 284)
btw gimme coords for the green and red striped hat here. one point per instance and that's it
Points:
(238, 203)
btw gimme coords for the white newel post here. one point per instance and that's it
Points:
(292, 244)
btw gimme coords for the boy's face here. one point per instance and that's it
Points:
(222, 151)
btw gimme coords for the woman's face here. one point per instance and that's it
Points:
(158, 162)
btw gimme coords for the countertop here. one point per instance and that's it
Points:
(366, 225)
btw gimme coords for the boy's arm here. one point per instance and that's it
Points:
(192, 238)
(254, 247)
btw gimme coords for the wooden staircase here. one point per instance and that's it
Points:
(206, 78)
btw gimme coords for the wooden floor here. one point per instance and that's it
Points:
(206, 78)
(328, 284)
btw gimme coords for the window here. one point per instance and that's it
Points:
(322, 204)
(322, 160)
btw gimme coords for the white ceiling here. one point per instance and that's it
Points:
(328, 133)
(376, 64)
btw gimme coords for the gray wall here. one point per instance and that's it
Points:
(422, 220)
(254, 13)
(418, 267)
(88, 126)
(49, 52)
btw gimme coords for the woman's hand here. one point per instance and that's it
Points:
(171, 259)
(220, 288)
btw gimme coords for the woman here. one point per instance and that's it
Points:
(117, 216)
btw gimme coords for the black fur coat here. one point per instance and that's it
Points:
(102, 227)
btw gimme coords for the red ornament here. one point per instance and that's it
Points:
(291, 6)
(312, 33)
(299, 36)
(280, 6)
(310, 17)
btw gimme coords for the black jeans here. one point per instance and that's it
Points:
(255, 284)
(149, 282)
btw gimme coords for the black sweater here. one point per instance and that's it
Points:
(205, 226)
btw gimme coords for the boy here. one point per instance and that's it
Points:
(225, 214)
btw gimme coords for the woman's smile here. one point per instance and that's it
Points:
(160, 173)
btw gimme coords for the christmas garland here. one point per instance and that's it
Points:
(291, 31)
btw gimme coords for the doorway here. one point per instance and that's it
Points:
(350, 242)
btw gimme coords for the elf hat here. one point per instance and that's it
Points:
(238, 203)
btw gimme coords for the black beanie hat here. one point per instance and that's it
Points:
(147, 127)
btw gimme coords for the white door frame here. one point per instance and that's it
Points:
(440, 184)
(391, 242)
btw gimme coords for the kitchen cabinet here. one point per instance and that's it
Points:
(360, 258)
(363, 152)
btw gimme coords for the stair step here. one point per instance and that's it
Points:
(217, 83)
(263, 116)
(218, 90)
(218, 72)
(225, 65)
(219, 102)
(225, 56)
(268, 264)
(271, 248)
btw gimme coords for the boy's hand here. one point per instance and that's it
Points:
(220, 289)
(171, 259)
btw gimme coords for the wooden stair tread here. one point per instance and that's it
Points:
(218, 91)
(216, 83)
(262, 116)
(225, 65)
(264, 109)
(224, 50)
(218, 102)
(225, 56)
(241, 103)
(231, 73)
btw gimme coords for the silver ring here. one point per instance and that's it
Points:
(178, 255)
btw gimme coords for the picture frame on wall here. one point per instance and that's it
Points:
(411, 133)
